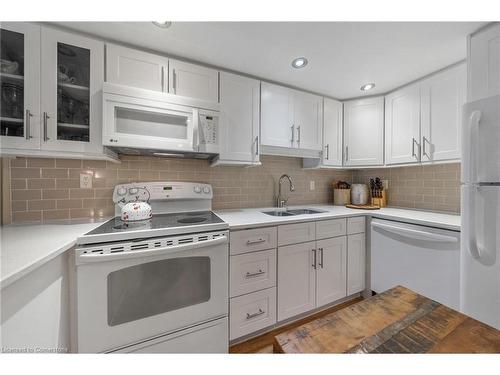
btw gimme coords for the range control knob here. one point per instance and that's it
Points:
(206, 190)
(121, 191)
(133, 191)
(197, 189)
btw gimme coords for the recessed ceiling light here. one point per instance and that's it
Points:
(162, 24)
(299, 62)
(367, 87)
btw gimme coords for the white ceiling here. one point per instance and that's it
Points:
(342, 55)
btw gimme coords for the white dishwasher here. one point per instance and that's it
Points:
(423, 259)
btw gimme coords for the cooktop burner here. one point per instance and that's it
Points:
(192, 220)
(158, 221)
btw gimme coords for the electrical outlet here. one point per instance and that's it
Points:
(385, 184)
(312, 185)
(85, 181)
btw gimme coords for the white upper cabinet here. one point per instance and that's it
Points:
(402, 126)
(443, 96)
(332, 133)
(290, 118)
(20, 80)
(71, 92)
(193, 81)
(308, 120)
(484, 63)
(239, 128)
(277, 127)
(364, 132)
(130, 67)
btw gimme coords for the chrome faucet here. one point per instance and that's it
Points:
(280, 202)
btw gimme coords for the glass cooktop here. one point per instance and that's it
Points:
(158, 221)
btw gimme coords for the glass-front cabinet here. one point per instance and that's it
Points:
(51, 90)
(72, 77)
(20, 85)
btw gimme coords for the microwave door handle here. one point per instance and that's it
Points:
(96, 257)
(196, 130)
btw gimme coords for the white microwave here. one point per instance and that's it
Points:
(147, 120)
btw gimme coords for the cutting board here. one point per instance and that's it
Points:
(363, 206)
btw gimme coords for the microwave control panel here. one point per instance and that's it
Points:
(209, 129)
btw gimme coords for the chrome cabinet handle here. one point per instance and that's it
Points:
(314, 258)
(423, 147)
(174, 81)
(346, 153)
(250, 275)
(253, 242)
(257, 146)
(293, 134)
(298, 135)
(320, 257)
(45, 118)
(327, 152)
(28, 124)
(414, 141)
(258, 313)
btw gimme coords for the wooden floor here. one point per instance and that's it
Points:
(264, 343)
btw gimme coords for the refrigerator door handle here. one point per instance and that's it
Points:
(474, 249)
(474, 120)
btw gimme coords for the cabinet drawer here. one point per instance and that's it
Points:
(252, 272)
(330, 228)
(296, 233)
(252, 312)
(355, 225)
(245, 241)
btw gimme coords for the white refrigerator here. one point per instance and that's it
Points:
(480, 194)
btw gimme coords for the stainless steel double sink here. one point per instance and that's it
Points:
(293, 212)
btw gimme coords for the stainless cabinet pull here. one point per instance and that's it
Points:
(423, 147)
(314, 258)
(249, 275)
(414, 141)
(28, 124)
(258, 313)
(45, 118)
(253, 242)
(257, 146)
(320, 257)
(174, 81)
(327, 152)
(346, 153)
(298, 135)
(293, 134)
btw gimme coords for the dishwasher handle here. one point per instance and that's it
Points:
(98, 257)
(415, 233)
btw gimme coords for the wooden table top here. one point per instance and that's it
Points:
(396, 321)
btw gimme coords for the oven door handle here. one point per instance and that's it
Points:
(96, 257)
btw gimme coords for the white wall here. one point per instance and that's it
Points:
(35, 310)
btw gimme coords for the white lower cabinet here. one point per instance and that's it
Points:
(252, 312)
(314, 265)
(251, 272)
(356, 263)
(296, 279)
(331, 270)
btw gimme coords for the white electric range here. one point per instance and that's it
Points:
(158, 285)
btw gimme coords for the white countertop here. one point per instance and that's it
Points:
(25, 247)
(254, 217)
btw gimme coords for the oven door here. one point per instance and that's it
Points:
(148, 124)
(127, 297)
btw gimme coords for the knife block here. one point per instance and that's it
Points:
(380, 201)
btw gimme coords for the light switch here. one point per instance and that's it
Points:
(85, 181)
(312, 185)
